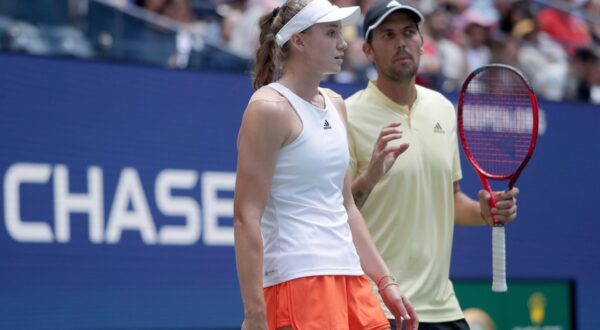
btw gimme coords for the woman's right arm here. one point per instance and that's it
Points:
(263, 131)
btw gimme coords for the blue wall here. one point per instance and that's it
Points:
(142, 163)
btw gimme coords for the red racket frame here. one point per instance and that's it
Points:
(483, 175)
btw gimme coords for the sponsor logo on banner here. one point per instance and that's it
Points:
(129, 208)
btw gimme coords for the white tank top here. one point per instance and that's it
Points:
(304, 226)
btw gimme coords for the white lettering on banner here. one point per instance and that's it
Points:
(178, 206)
(214, 208)
(129, 189)
(66, 203)
(130, 209)
(24, 231)
(499, 120)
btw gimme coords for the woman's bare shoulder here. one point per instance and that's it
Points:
(267, 94)
(332, 94)
(267, 102)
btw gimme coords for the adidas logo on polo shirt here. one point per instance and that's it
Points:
(326, 125)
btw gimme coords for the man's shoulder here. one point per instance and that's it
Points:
(434, 96)
(430, 92)
(355, 99)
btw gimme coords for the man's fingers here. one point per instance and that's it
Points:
(397, 150)
(506, 195)
(388, 130)
(504, 212)
(484, 195)
(387, 138)
(402, 148)
(506, 204)
(393, 124)
(511, 193)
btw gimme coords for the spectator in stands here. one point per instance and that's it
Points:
(504, 49)
(585, 82)
(188, 36)
(592, 8)
(511, 12)
(594, 82)
(155, 6)
(430, 66)
(355, 67)
(563, 26)
(477, 29)
(244, 32)
(439, 26)
(542, 60)
(364, 6)
(180, 11)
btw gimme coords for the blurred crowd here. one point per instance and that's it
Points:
(555, 48)
(556, 43)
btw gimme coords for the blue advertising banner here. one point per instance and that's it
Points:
(117, 194)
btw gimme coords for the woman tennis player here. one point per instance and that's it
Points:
(302, 247)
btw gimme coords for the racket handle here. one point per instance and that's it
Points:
(498, 259)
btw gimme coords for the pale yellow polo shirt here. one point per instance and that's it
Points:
(410, 212)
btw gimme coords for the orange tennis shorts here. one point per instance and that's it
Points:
(324, 303)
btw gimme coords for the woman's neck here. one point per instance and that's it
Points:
(301, 81)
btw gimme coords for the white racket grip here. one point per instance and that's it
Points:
(498, 259)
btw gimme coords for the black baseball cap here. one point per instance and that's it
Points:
(382, 9)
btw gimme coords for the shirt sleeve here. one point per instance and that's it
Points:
(456, 168)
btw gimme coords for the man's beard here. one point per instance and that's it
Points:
(401, 75)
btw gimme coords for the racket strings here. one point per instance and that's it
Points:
(497, 120)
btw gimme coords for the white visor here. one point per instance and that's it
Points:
(317, 11)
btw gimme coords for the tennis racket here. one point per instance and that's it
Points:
(498, 128)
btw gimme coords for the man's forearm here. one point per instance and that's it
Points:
(361, 189)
